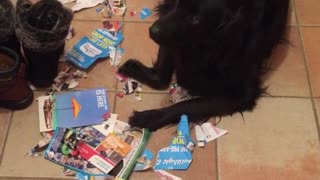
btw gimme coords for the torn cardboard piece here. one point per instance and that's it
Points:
(90, 49)
(177, 156)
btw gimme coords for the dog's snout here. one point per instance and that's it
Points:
(154, 30)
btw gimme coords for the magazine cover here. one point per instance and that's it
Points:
(73, 147)
(63, 149)
(73, 109)
(107, 155)
(136, 138)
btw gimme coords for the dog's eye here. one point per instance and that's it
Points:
(195, 20)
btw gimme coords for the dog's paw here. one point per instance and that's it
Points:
(151, 119)
(130, 68)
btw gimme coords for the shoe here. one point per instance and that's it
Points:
(15, 93)
(7, 33)
(42, 28)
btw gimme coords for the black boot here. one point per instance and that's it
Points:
(7, 34)
(42, 29)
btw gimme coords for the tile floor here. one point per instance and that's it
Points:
(279, 140)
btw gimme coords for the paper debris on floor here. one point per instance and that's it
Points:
(118, 7)
(178, 155)
(72, 109)
(90, 49)
(112, 7)
(105, 151)
(115, 55)
(144, 13)
(166, 176)
(144, 161)
(133, 13)
(178, 94)
(70, 33)
(212, 132)
(67, 79)
(83, 4)
(41, 145)
(113, 26)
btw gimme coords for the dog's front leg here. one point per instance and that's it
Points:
(158, 77)
(198, 110)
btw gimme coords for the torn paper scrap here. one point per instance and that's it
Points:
(173, 157)
(82, 4)
(144, 13)
(178, 154)
(115, 55)
(130, 86)
(118, 7)
(212, 132)
(66, 1)
(144, 161)
(42, 144)
(178, 94)
(166, 176)
(200, 136)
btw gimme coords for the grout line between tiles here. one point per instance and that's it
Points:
(150, 22)
(6, 137)
(217, 159)
(308, 76)
(294, 97)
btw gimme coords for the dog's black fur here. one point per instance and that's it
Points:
(218, 50)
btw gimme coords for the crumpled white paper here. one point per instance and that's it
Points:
(66, 1)
(81, 4)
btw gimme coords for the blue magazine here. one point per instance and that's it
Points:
(73, 109)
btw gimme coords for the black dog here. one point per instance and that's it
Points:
(218, 50)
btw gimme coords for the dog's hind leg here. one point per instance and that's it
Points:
(198, 110)
(157, 77)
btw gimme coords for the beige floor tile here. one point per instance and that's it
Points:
(5, 116)
(23, 135)
(161, 139)
(137, 5)
(311, 42)
(278, 141)
(101, 74)
(288, 77)
(308, 11)
(139, 46)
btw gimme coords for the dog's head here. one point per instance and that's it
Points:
(181, 20)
